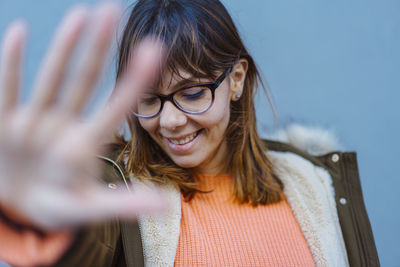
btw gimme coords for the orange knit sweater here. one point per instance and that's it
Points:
(216, 231)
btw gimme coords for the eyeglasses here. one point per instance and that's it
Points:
(193, 99)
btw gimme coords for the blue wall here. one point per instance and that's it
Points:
(329, 63)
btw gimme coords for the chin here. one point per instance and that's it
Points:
(186, 163)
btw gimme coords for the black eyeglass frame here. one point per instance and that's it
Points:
(170, 97)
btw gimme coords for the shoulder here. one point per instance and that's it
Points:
(307, 157)
(301, 157)
(312, 144)
(312, 152)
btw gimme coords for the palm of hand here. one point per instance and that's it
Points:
(48, 167)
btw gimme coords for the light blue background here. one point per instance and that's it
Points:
(328, 63)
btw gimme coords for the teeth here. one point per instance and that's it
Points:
(184, 140)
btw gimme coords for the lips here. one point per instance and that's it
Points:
(183, 140)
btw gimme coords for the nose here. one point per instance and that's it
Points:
(171, 117)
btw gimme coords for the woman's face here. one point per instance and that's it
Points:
(194, 141)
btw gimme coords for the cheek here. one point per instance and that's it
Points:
(216, 119)
(149, 125)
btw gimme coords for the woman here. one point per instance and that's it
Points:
(192, 127)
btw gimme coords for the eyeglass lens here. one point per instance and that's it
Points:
(191, 100)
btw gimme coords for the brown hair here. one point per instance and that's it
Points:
(201, 39)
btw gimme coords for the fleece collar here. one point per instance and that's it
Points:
(313, 140)
(311, 196)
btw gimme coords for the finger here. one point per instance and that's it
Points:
(62, 208)
(104, 24)
(10, 66)
(140, 73)
(55, 64)
(106, 203)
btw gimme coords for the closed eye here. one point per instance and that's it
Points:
(193, 94)
(149, 100)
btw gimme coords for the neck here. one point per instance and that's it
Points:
(217, 164)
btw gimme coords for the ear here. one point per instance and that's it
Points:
(237, 78)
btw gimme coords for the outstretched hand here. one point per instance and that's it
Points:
(48, 167)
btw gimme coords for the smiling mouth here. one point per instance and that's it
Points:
(184, 140)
